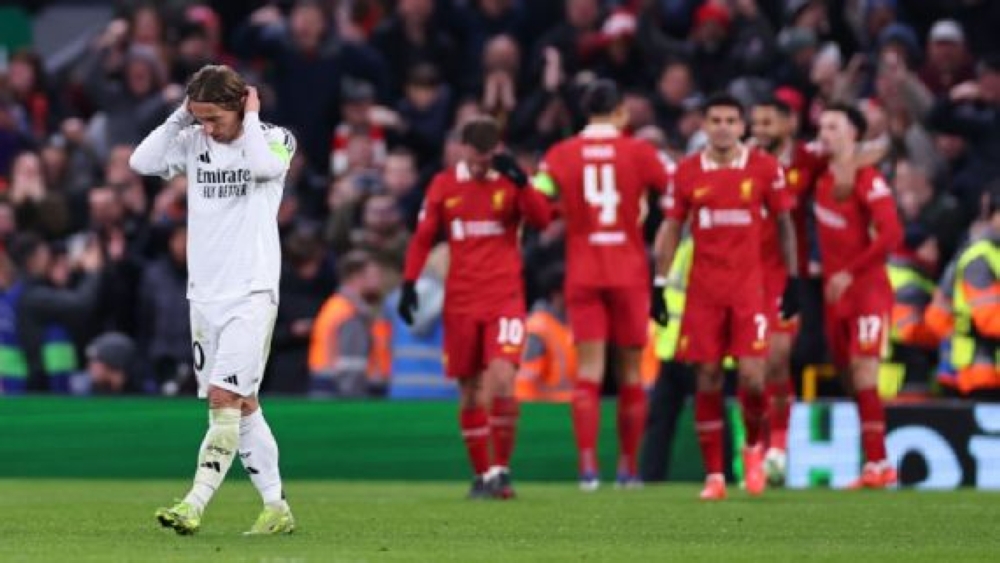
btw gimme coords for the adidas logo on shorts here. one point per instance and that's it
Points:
(231, 380)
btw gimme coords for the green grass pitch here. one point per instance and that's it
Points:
(48, 520)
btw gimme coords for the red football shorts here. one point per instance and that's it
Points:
(619, 315)
(774, 290)
(856, 326)
(711, 332)
(472, 341)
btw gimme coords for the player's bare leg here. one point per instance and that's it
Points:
(780, 396)
(504, 413)
(587, 410)
(632, 408)
(475, 423)
(259, 454)
(708, 413)
(214, 458)
(878, 473)
(754, 406)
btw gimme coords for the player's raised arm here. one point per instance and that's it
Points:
(267, 161)
(162, 152)
(534, 207)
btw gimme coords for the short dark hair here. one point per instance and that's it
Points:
(853, 115)
(600, 97)
(778, 105)
(219, 85)
(23, 247)
(722, 100)
(353, 263)
(481, 133)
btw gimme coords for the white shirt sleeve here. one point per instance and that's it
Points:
(164, 151)
(267, 158)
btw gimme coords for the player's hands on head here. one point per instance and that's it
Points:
(408, 302)
(252, 101)
(506, 164)
(658, 310)
(790, 304)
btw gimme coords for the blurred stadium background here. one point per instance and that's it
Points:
(375, 90)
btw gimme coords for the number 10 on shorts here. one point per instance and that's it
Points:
(511, 332)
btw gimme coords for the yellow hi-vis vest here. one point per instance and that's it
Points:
(965, 342)
(677, 280)
(891, 374)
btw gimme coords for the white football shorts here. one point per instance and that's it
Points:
(231, 341)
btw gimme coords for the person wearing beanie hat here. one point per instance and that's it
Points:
(947, 60)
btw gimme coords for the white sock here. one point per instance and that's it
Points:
(259, 454)
(215, 455)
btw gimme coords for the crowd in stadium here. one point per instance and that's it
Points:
(93, 268)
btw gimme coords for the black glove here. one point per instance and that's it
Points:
(658, 310)
(506, 164)
(408, 302)
(790, 305)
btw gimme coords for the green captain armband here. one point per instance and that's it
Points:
(280, 150)
(545, 184)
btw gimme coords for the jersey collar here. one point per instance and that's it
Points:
(739, 163)
(463, 174)
(600, 131)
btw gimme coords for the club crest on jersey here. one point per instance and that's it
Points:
(452, 202)
(700, 193)
(746, 189)
(498, 200)
(793, 176)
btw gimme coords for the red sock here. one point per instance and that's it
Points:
(503, 428)
(872, 416)
(708, 424)
(631, 423)
(754, 406)
(780, 394)
(476, 434)
(586, 422)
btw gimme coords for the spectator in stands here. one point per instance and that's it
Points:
(400, 178)
(130, 104)
(348, 349)
(36, 306)
(306, 281)
(920, 203)
(28, 83)
(164, 327)
(577, 37)
(409, 37)
(309, 64)
(357, 105)
(111, 366)
(14, 138)
(423, 114)
(948, 63)
(37, 207)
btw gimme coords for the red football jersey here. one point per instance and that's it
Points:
(726, 208)
(802, 166)
(481, 220)
(844, 228)
(603, 177)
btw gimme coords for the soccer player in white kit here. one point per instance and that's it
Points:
(235, 167)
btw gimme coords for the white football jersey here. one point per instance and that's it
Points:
(234, 190)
